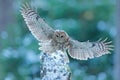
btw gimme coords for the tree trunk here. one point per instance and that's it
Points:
(6, 12)
(54, 66)
(6, 16)
(117, 44)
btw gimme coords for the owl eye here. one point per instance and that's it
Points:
(57, 36)
(61, 36)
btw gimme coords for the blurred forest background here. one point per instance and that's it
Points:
(81, 19)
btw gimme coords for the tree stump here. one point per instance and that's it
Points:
(54, 67)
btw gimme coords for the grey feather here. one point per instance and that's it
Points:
(40, 30)
(85, 50)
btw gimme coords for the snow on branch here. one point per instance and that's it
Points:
(54, 67)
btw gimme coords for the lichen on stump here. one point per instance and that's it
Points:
(54, 67)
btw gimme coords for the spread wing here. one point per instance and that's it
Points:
(85, 50)
(40, 30)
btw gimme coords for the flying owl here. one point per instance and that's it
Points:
(52, 40)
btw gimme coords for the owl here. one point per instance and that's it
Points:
(52, 40)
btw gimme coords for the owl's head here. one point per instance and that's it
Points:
(60, 36)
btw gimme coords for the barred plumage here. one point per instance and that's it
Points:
(52, 40)
(40, 30)
(85, 50)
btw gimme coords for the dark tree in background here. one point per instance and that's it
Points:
(6, 11)
(6, 16)
(117, 44)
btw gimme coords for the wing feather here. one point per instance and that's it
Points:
(40, 30)
(85, 50)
